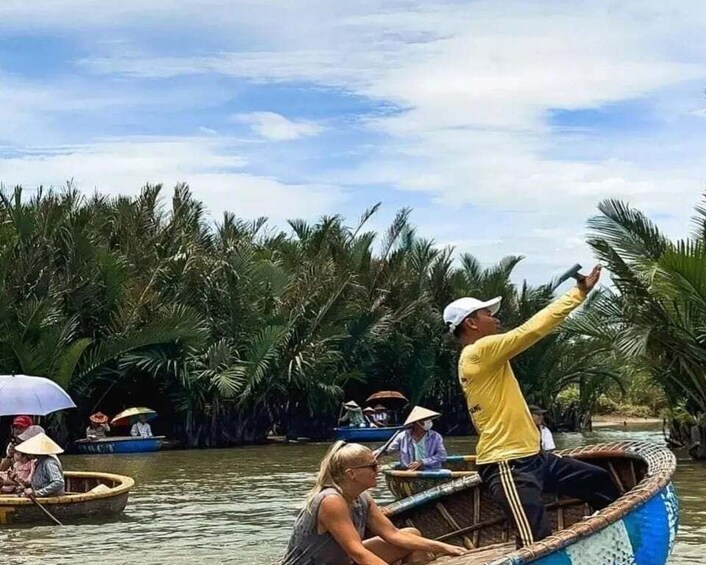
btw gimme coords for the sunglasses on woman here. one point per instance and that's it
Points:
(374, 465)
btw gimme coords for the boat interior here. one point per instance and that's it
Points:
(463, 513)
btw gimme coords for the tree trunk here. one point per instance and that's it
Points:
(687, 435)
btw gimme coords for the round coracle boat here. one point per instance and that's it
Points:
(87, 495)
(120, 444)
(637, 529)
(406, 483)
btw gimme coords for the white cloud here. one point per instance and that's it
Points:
(472, 84)
(276, 127)
(208, 165)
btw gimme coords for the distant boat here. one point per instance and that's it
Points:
(120, 444)
(88, 495)
(406, 483)
(637, 529)
(362, 435)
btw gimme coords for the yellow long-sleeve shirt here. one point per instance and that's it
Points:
(496, 404)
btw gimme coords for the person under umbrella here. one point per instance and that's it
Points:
(420, 447)
(19, 425)
(382, 416)
(98, 426)
(369, 415)
(48, 475)
(141, 428)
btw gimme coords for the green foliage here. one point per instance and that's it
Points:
(655, 320)
(230, 328)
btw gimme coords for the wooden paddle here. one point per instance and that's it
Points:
(385, 447)
(49, 514)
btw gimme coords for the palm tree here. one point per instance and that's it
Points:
(657, 314)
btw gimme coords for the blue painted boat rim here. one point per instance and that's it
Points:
(369, 429)
(117, 439)
(661, 464)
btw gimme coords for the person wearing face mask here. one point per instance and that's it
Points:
(420, 447)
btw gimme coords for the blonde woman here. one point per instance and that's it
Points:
(330, 528)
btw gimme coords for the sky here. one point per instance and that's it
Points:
(502, 124)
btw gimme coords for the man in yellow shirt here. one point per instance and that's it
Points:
(508, 454)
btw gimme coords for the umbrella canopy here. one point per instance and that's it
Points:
(387, 395)
(22, 394)
(131, 415)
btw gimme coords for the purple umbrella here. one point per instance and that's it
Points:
(35, 396)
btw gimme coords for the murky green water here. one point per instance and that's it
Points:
(237, 505)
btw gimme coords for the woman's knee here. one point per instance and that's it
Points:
(413, 531)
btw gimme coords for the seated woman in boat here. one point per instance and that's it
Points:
(338, 511)
(420, 447)
(141, 428)
(98, 426)
(48, 475)
(354, 415)
(369, 415)
(382, 416)
(19, 425)
(19, 474)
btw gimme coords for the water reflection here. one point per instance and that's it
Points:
(237, 505)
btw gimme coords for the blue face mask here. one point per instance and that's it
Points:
(427, 425)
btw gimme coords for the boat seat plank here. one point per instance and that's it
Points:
(479, 556)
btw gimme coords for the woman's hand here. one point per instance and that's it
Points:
(414, 466)
(27, 492)
(448, 549)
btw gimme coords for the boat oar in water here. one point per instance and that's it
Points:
(49, 514)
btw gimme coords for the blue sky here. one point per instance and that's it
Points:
(502, 124)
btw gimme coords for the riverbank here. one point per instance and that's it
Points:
(614, 420)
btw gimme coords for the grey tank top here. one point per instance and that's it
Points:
(308, 547)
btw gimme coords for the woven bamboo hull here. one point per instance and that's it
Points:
(77, 504)
(637, 529)
(125, 444)
(406, 483)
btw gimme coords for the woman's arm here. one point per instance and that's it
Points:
(381, 526)
(335, 518)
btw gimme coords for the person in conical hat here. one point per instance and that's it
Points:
(98, 427)
(48, 476)
(354, 415)
(420, 447)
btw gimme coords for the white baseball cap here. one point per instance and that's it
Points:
(460, 309)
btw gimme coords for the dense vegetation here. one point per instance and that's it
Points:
(229, 328)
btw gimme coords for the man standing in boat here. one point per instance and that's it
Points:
(508, 455)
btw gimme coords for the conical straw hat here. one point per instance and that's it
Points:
(351, 404)
(418, 414)
(41, 444)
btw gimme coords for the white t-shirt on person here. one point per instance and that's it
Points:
(546, 441)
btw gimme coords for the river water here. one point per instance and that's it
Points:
(237, 506)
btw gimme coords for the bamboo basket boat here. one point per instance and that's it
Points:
(406, 483)
(78, 502)
(637, 529)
